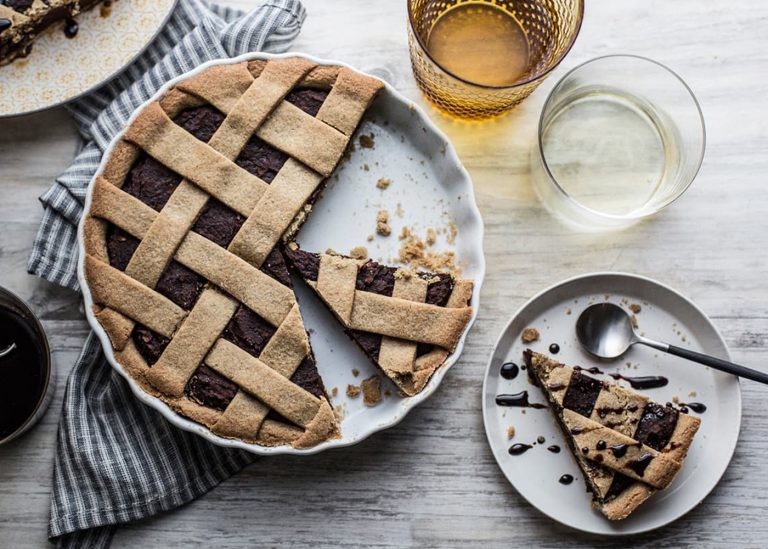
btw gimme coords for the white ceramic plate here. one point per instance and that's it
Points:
(665, 315)
(60, 69)
(432, 189)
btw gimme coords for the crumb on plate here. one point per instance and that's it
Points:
(371, 390)
(530, 335)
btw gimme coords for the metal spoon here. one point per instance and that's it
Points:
(605, 330)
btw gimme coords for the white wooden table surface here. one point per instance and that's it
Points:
(432, 480)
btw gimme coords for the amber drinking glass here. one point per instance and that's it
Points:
(477, 59)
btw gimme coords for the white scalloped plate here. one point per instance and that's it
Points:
(666, 315)
(61, 69)
(432, 188)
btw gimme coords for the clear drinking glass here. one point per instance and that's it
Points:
(476, 59)
(620, 137)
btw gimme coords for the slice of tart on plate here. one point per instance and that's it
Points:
(626, 445)
(406, 322)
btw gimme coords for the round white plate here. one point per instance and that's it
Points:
(665, 315)
(60, 69)
(432, 190)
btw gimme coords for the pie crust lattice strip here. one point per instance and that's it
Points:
(182, 243)
(626, 445)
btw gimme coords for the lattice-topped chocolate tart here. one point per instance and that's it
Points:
(182, 255)
(22, 21)
(184, 243)
(626, 445)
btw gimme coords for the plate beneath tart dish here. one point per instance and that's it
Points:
(60, 69)
(664, 315)
(428, 188)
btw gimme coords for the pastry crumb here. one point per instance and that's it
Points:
(383, 183)
(353, 391)
(692, 394)
(335, 391)
(633, 318)
(399, 210)
(355, 372)
(414, 253)
(338, 412)
(530, 335)
(452, 232)
(370, 238)
(371, 391)
(382, 223)
(366, 167)
(676, 400)
(367, 141)
(359, 252)
(568, 311)
(431, 237)
(510, 432)
(635, 308)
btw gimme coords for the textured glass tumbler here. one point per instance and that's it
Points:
(620, 137)
(549, 27)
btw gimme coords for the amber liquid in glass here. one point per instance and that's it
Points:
(481, 43)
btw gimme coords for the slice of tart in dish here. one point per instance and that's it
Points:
(626, 445)
(406, 322)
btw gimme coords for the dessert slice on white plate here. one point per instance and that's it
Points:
(626, 445)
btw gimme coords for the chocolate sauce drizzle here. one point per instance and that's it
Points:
(643, 382)
(509, 370)
(555, 449)
(593, 370)
(619, 450)
(71, 28)
(565, 479)
(554, 348)
(519, 448)
(601, 445)
(697, 407)
(641, 464)
(519, 400)
(5, 24)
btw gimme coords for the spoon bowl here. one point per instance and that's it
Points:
(605, 330)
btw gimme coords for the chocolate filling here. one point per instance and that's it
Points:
(150, 344)
(261, 159)
(120, 247)
(582, 393)
(218, 223)
(307, 99)
(181, 285)
(211, 389)
(249, 331)
(657, 424)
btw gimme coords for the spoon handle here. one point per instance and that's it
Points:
(718, 364)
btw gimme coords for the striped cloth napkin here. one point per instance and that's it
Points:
(118, 460)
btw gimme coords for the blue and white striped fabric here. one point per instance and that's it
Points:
(118, 460)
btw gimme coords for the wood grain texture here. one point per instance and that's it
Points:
(432, 481)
